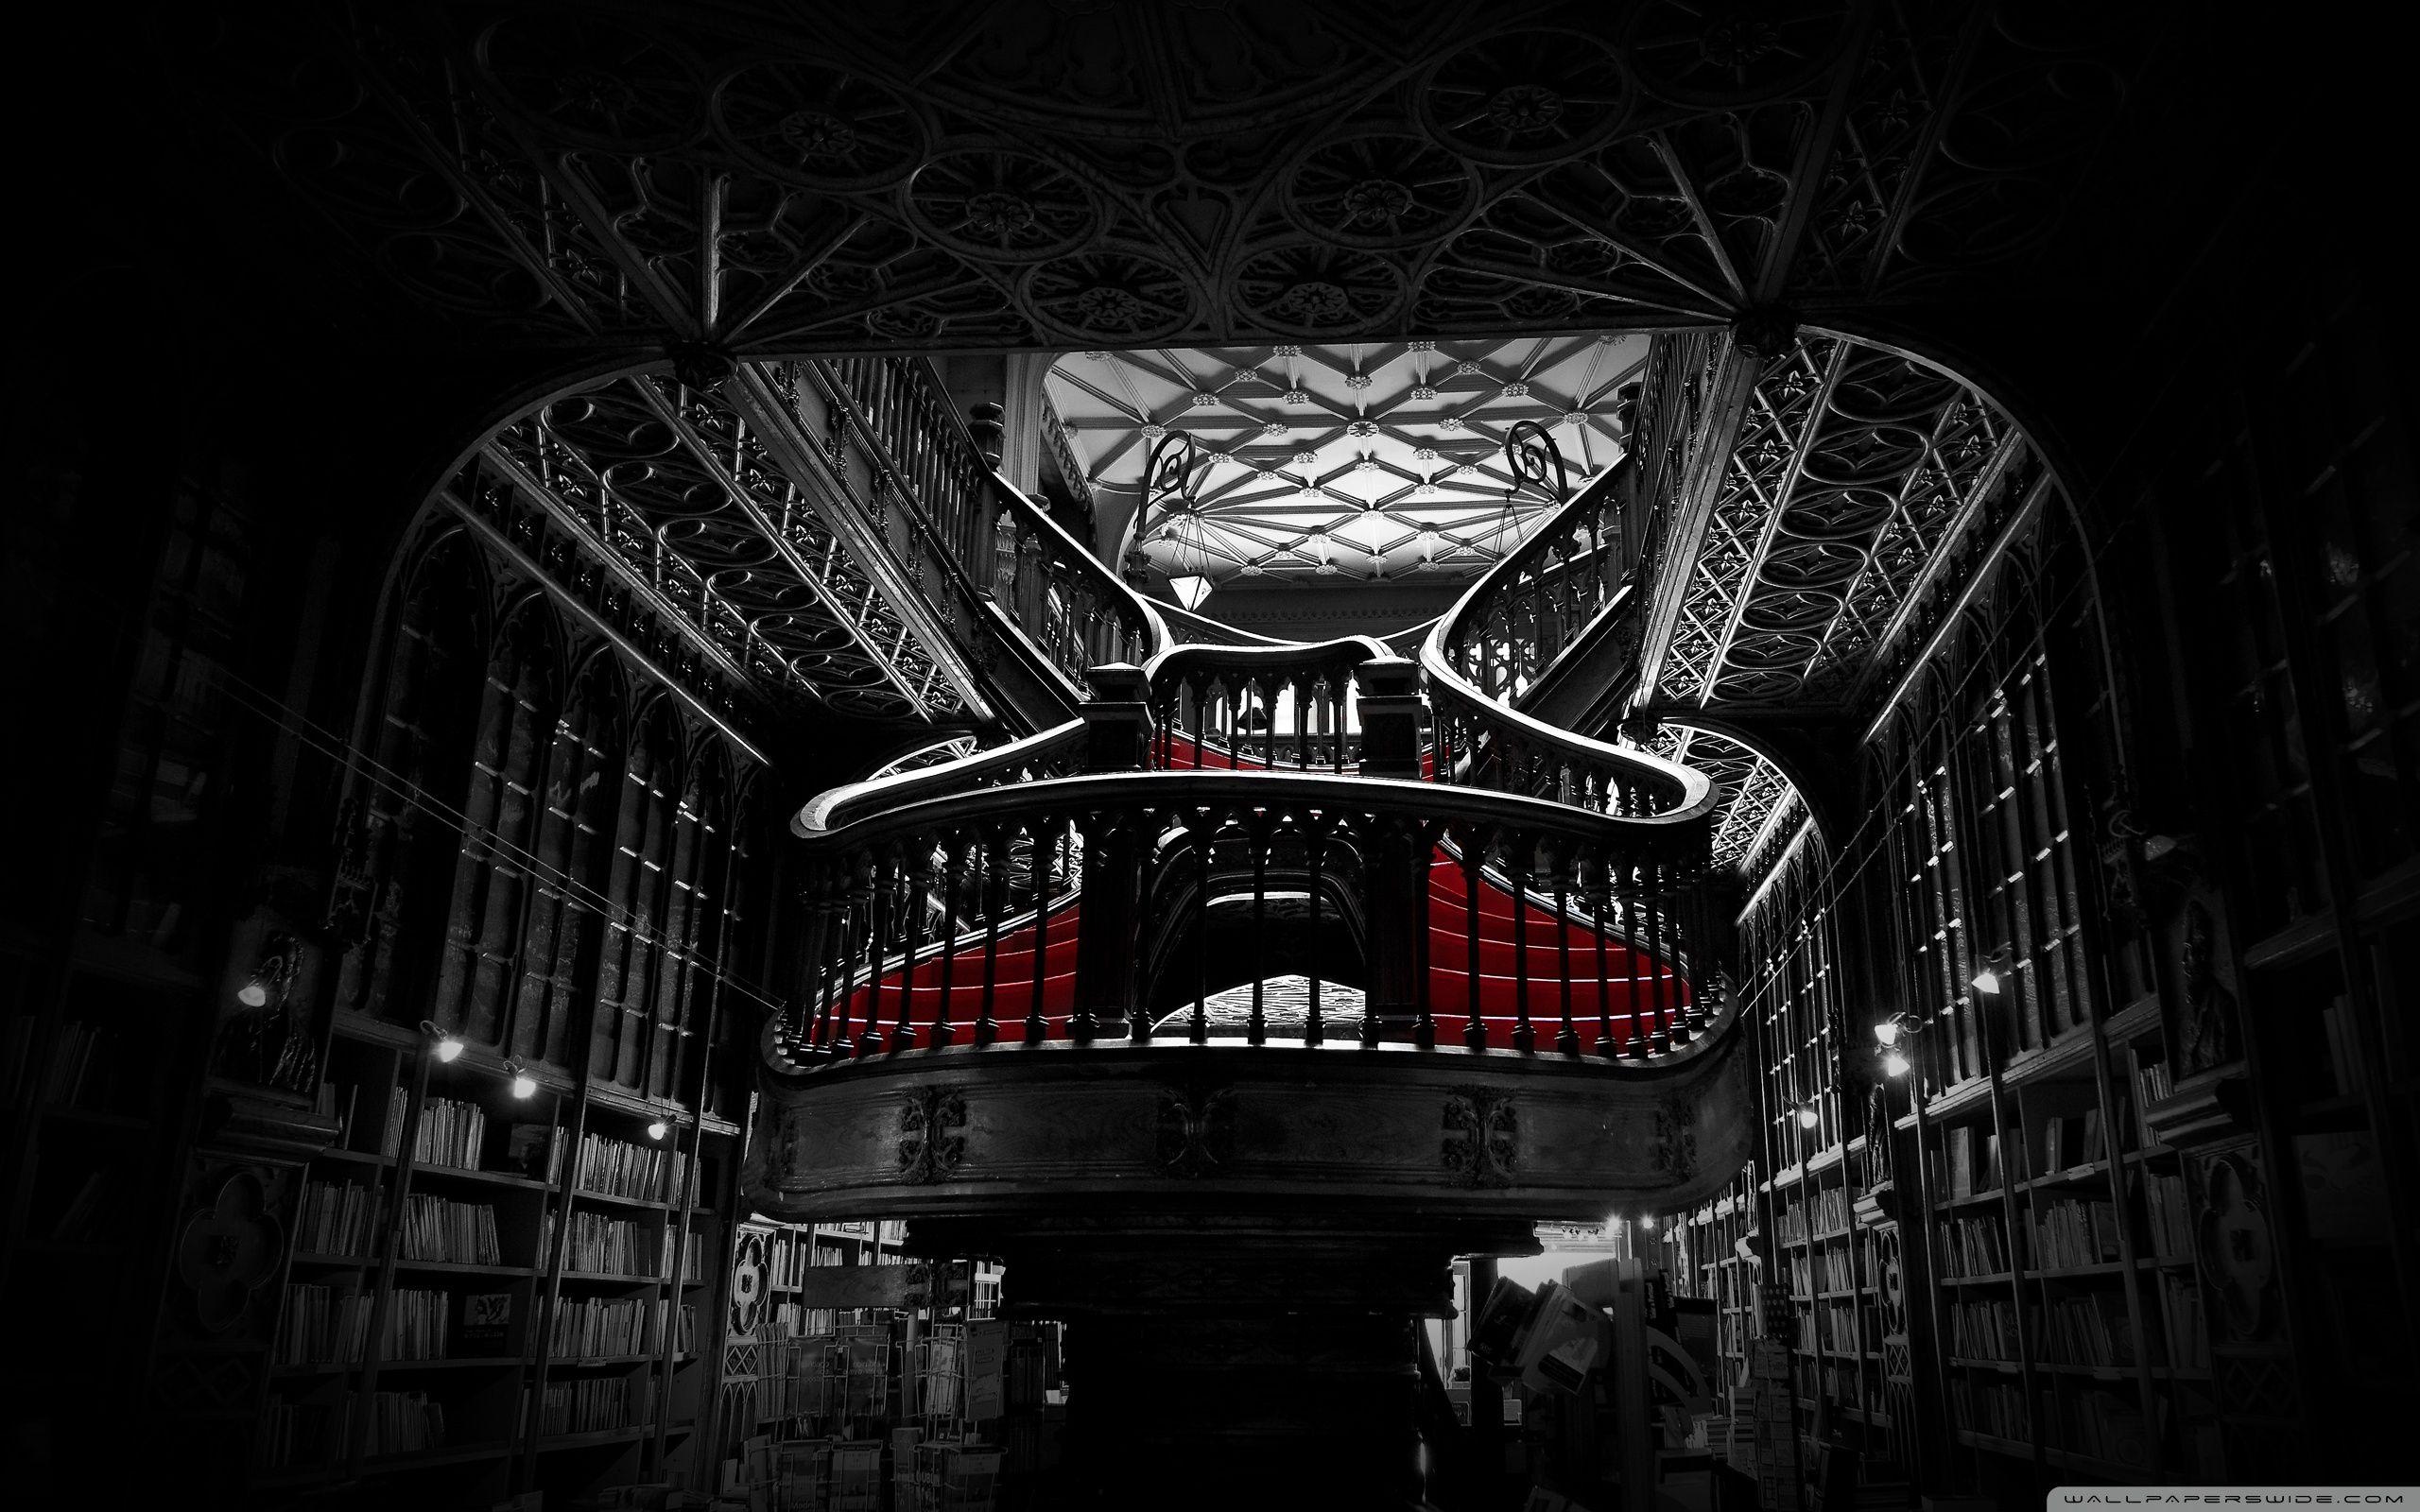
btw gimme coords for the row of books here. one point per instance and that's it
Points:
(294, 1433)
(791, 1262)
(450, 1133)
(1971, 1246)
(1835, 1325)
(2075, 1231)
(2063, 1140)
(337, 1103)
(319, 1325)
(76, 1072)
(399, 1422)
(418, 1324)
(1837, 1270)
(619, 1168)
(322, 1325)
(2167, 1216)
(593, 1327)
(310, 1433)
(791, 1320)
(1973, 1156)
(2092, 1329)
(338, 1218)
(2109, 1426)
(1831, 1210)
(596, 1405)
(1991, 1407)
(2151, 1083)
(1984, 1330)
(441, 1228)
(616, 1247)
(2187, 1327)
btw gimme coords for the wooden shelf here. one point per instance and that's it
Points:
(482, 1362)
(457, 1268)
(335, 1261)
(429, 1459)
(594, 1439)
(583, 1195)
(495, 1178)
(1997, 1445)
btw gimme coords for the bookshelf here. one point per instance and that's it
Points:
(485, 1294)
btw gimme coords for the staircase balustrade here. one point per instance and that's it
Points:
(975, 543)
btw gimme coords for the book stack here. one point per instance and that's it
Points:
(1971, 1246)
(2151, 1084)
(318, 1325)
(450, 1134)
(1831, 1210)
(418, 1321)
(1839, 1325)
(1974, 1162)
(1802, 1276)
(619, 1168)
(611, 1246)
(2089, 1329)
(1793, 1221)
(2076, 1231)
(1984, 1330)
(2189, 1331)
(2167, 1216)
(441, 1229)
(338, 1219)
(592, 1328)
(1838, 1271)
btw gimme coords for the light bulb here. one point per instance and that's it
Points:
(1808, 1117)
(1887, 1032)
(1894, 1064)
(1987, 981)
(656, 1130)
(448, 1048)
(1648, 1222)
(252, 994)
(1191, 591)
(523, 1085)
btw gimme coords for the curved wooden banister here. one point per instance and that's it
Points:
(1507, 629)
(1051, 753)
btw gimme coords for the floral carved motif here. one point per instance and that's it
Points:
(1482, 1137)
(930, 1144)
(1197, 1129)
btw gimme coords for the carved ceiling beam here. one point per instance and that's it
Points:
(1690, 513)
(1912, 597)
(1774, 505)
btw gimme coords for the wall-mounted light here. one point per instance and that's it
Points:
(1995, 971)
(273, 969)
(523, 1085)
(658, 1129)
(1647, 1222)
(1808, 1116)
(1893, 1063)
(447, 1046)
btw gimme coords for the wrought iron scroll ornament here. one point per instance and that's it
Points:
(930, 1144)
(1171, 475)
(1535, 463)
(1482, 1137)
(1197, 1129)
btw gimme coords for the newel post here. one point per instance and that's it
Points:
(1117, 738)
(1390, 707)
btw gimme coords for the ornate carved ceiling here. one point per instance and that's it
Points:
(1759, 805)
(1854, 473)
(1219, 182)
(1379, 460)
(1032, 173)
